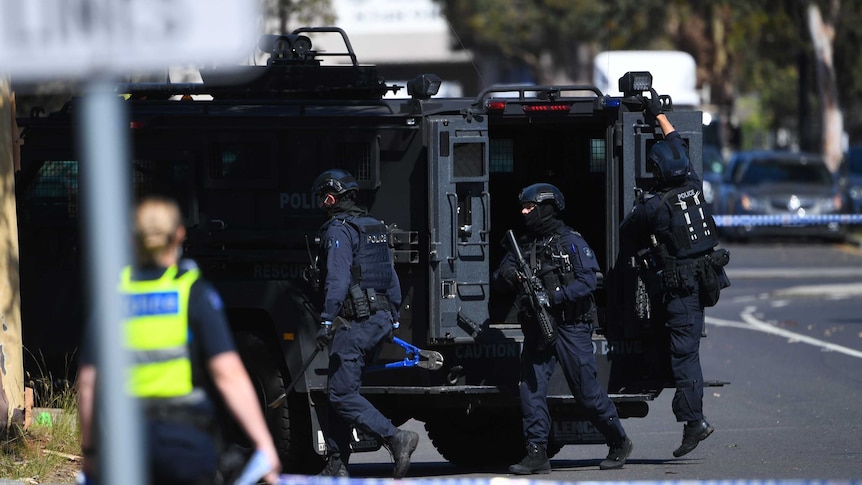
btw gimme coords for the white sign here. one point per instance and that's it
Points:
(75, 38)
(389, 16)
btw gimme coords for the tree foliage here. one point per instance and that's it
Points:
(744, 48)
(290, 14)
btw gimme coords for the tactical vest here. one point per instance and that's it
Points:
(692, 228)
(555, 269)
(372, 263)
(553, 264)
(157, 335)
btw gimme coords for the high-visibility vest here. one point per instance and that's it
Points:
(157, 334)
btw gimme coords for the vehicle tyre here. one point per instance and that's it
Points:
(484, 438)
(290, 423)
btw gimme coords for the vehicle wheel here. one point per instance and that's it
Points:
(289, 423)
(484, 438)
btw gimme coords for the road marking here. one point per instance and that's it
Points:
(751, 323)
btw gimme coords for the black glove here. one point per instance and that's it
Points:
(670, 278)
(324, 335)
(511, 276)
(651, 105)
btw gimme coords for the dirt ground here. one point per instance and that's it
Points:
(62, 474)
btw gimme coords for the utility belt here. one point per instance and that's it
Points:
(578, 311)
(361, 304)
(704, 270)
(199, 415)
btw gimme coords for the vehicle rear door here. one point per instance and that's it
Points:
(459, 215)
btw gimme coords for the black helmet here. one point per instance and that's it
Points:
(335, 181)
(667, 162)
(538, 193)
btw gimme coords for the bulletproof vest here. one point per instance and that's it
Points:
(555, 267)
(692, 228)
(372, 263)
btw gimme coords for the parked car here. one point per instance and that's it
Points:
(783, 184)
(713, 169)
(851, 173)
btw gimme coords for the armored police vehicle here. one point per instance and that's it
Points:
(240, 151)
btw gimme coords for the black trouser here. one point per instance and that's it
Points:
(574, 350)
(685, 319)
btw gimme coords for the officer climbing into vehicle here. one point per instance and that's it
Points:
(563, 268)
(677, 227)
(361, 289)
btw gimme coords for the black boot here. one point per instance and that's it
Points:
(617, 454)
(536, 461)
(335, 466)
(402, 446)
(692, 434)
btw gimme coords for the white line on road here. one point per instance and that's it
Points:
(751, 323)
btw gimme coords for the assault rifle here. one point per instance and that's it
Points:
(535, 292)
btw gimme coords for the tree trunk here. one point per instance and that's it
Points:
(11, 360)
(822, 36)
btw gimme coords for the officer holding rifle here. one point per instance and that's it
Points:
(553, 273)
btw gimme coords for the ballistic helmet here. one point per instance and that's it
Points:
(667, 162)
(538, 193)
(335, 181)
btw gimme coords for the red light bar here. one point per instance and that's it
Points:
(136, 124)
(496, 105)
(537, 108)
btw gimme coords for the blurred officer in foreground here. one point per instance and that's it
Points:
(361, 288)
(184, 358)
(563, 269)
(675, 223)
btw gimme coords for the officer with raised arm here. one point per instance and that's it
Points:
(675, 223)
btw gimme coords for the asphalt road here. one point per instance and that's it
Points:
(787, 335)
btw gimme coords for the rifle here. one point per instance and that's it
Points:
(535, 292)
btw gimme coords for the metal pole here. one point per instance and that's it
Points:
(105, 174)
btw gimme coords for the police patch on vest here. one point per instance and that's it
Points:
(376, 238)
(148, 304)
(588, 252)
(331, 242)
(693, 193)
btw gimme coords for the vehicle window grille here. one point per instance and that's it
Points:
(166, 177)
(469, 160)
(55, 189)
(355, 157)
(240, 161)
(598, 155)
(502, 160)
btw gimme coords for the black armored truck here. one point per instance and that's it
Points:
(240, 151)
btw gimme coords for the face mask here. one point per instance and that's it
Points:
(542, 219)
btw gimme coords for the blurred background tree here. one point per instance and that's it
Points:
(756, 58)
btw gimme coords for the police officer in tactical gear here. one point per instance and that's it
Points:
(361, 288)
(180, 369)
(560, 257)
(677, 225)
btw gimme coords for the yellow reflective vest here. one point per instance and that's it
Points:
(157, 334)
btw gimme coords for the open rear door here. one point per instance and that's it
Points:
(459, 214)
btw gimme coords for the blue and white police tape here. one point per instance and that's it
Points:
(785, 220)
(320, 480)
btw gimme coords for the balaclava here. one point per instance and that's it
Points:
(543, 220)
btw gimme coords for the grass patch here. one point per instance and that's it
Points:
(46, 451)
